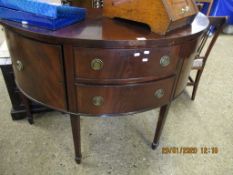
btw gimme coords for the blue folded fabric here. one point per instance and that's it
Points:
(42, 8)
(35, 20)
(223, 8)
(41, 14)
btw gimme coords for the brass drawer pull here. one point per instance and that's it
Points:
(97, 101)
(159, 93)
(185, 9)
(97, 64)
(19, 65)
(165, 61)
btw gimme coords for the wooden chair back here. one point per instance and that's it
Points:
(206, 45)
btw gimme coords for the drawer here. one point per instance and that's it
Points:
(93, 63)
(38, 69)
(96, 100)
(181, 8)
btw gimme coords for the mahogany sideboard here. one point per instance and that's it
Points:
(18, 110)
(103, 67)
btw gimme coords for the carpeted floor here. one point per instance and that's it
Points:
(121, 145)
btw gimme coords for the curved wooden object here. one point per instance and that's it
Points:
(102, 67)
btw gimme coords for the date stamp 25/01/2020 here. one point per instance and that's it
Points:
(190, 150)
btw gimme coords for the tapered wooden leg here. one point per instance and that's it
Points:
(75, 124)
(197, 79)
(162, 118)
(26, 103)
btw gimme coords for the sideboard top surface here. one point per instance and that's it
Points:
(98, 30)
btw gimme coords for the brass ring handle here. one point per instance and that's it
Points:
(159, 93)
(97, 64)
(185, 9)
(165, 61)
(97, 101)
(19, 65)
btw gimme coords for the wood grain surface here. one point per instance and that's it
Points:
(160, 15)
(42, 75)
(122, 98)
(125, 63)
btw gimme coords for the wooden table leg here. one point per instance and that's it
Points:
(75, 124)
(27, 106)
(160, 124)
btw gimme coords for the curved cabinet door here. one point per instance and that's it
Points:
(38, 69)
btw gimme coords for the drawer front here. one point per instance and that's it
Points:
(38, 69)
(92, 63)
(181, 8)
(96, 100)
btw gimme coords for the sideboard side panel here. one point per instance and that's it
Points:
(41, 77)
(69, 67)
(188, 50)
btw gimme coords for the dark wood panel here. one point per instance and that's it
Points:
(41, 76)
(81, 3)
(98, 31)
(124, 98)
(124, 64)
(70, 77)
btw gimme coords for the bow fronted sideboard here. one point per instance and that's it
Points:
(103, 67)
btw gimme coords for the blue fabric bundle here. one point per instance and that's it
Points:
(223, 8)
(39, 13)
